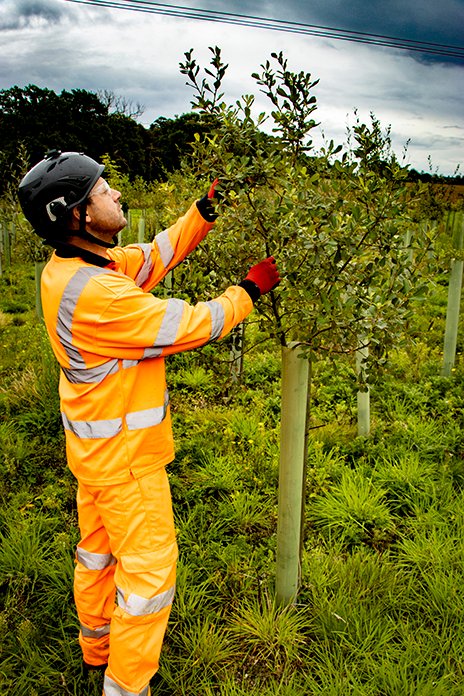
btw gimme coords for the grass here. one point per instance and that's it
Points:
(380, 611)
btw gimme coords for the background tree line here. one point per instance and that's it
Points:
(34, 119)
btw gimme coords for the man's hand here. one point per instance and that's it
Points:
(211, 192)
(205, 206)
(265, 275)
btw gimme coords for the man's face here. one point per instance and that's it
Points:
(104, 210)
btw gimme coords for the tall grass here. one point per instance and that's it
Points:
(380, 611)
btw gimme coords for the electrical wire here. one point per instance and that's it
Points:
(251, 21)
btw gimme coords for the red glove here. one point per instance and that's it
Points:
(212, 187)
(264, 274)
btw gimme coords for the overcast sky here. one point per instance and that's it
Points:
(63, 45)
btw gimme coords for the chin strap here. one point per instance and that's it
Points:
(83, 234)
(90, 238)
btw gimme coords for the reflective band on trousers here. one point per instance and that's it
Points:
(95, 632)
(110, 688)
(94, 561)
(165, 247)
(137, 420)
(141, 606)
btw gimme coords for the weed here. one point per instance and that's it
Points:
(272, 638)
(353, 510)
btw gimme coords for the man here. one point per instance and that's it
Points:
(110, 336)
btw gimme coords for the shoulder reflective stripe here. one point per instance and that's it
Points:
(93, 430)
(164, 247)
(110, 688)
(137, 420)
(145, 271)
(170, 325)
(94, 561)
(217, 318)
(91, 374)
(95, 632)
(141, 606)
(66, 309)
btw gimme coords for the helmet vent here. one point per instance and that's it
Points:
(52, 166)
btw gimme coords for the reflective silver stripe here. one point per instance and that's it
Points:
(217, 318)
(165, 247)
(90, 375)
(93, 430)
(126, 364)
(95, 632)
(94, 561)
(110, 688)
(170, 325)
(137, 420)
(141, 606)
(69, 300)
(145, 271)
(152, 352)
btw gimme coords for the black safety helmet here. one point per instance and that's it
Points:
(53, 187)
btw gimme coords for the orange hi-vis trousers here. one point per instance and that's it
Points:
(127, 553)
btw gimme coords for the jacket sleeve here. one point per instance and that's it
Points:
(147, 264)
(136, 325)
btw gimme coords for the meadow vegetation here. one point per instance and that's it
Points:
(381, 604)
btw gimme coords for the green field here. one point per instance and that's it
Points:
(381, 605)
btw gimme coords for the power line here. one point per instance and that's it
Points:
(257, 22)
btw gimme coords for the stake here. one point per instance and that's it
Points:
(141, 230)
(295, 372)
(236, 352)
(6, 245)
(364, 407)
(39, 266)
(454, 302)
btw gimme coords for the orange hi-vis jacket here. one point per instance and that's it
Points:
(110, 336)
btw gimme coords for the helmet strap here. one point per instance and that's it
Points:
(83, 234)
(95, 240)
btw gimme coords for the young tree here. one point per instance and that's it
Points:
(336, 226)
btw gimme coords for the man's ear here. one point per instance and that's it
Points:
(76, 216)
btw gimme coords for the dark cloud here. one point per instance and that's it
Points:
(19, 15)
(414, 20)
(426, 20)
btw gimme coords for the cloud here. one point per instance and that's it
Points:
(137, 56)
(19, 15)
